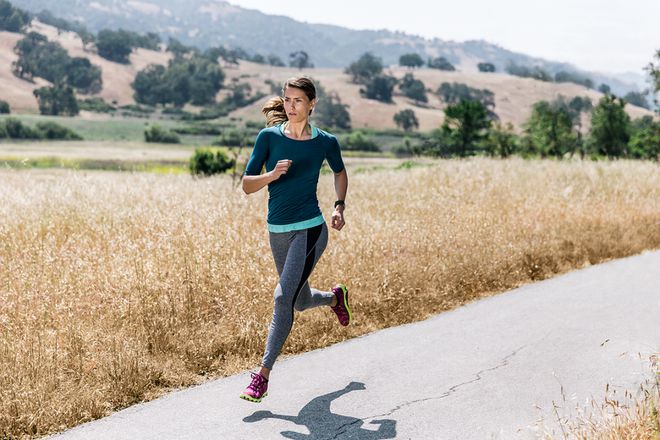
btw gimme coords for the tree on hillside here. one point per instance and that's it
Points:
(535, 72)
(300, 59)
(329, 111)
(549, 130)
(580, 104)
(86, 37)
(196, 80)
(486, 67)
(178, 48)
(575, 78)
(413, 88)
(37, 57)
(58, 100)
(4, 108)
(26, 65)
(84, 76)
(466, 125)
(638, 99)
(274, 60)
(453, 93)
(441, 63)
(239, 93)
(149, 86)
(13, 19)
(380, 88)
(14, 23)
(115, 45)
(367, 67)
(604, 89)
(406, 120)
(150, 41)
(501, 140)
(206, 80)
(610, 127)
(411, 60)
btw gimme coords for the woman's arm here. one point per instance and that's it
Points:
(341, 187)
(255, 183)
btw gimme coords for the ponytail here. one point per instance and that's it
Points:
(274, 111)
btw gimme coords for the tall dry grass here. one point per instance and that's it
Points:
(115, 287)
(631, 416)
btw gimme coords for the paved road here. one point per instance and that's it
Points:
(489, 370)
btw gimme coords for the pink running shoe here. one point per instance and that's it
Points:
(257, 390)
(342, 309)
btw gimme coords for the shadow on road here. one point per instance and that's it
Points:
(323, 424)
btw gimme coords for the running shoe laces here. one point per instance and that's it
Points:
(342, 309)
(257, 388)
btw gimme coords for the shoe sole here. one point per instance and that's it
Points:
(252, 399)
(348, 308)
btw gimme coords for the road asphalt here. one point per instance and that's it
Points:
(512, 366)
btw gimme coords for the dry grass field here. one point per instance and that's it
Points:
(632, 416)
(109, 150)
(115, 287)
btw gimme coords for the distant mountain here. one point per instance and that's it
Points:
(205, 23)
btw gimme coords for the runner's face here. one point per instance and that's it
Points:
(297, 105)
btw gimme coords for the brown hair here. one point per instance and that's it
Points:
(274, 108)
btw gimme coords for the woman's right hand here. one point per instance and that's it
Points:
(281, 167)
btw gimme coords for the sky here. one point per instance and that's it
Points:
(609, 36)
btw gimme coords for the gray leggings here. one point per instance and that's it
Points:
(295, 254)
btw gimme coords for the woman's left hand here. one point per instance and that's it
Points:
(338, 219)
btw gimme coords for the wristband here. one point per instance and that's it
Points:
(339, 202)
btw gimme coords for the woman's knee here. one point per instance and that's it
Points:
(282, 300)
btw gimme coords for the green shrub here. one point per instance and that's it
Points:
(4, 107)
(208, 161)
(138, 108)
(254, 125)
(233, 138)
(173, 111)
(16, 130)
(96, 104)
(51, 130)
(358, 141)
(156, 133)
(403, 150)
(57, 100)
(199, 129)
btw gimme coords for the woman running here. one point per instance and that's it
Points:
(293, 151)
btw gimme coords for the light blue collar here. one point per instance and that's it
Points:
(315, 131)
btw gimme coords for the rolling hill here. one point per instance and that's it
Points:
(205, 23)
(514, 96)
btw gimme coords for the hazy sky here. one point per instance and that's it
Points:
(613, 36)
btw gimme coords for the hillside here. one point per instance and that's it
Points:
(117, 78)
(205, 23)
(514, 96)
